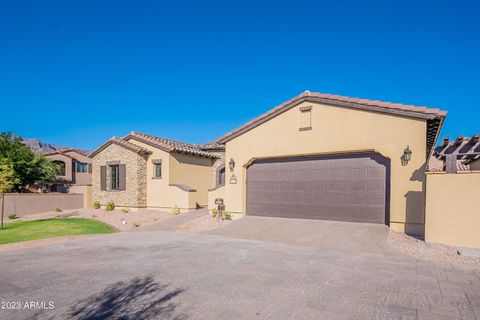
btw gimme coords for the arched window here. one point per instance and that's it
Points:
(60, 167)
(221, 176)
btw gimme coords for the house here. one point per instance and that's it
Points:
(144, 171)
(74, 175)
(320, 156)
(462, 154)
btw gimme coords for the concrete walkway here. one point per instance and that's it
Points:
(173, 223)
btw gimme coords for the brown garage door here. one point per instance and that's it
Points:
(341, 187)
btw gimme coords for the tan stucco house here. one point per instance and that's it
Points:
(74, 175)
(144, 171)
(320, 156)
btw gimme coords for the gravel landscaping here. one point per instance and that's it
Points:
(122, 221)
(430, 251)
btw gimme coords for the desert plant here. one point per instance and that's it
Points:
(110, 206)
(136, 225)
(125, 210)
(58, 210)
(96, 204)
(175, 210)
(12, 216)
(213, 212)
(226, 215)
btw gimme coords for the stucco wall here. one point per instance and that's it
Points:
(87, 193)
(30, 203)
(213, 194)
(452, 210)
(194, 172)
(176, 169)
(135, 194)
(68, 165)
(337, 129)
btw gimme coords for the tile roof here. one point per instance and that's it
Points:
(121, 142)
(172, 145)
(435, 116)
(62, 151)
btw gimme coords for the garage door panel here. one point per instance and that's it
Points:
(345, 188)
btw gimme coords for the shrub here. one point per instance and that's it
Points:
(175, 210)
(12, 216)
(136, 225)
(125, 210)
(213, 212)
(227, 215)
(96, 204)
(58, 210)
(110, 206)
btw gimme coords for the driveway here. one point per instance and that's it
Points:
(167, 275)
(364, 238)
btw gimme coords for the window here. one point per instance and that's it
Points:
(114, 177)
(221, 177)
(60, 167)
(82, 167)
(158, 170)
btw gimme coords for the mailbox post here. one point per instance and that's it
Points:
(220, 207)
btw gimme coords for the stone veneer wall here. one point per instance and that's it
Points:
(135, 195)
(216, 165)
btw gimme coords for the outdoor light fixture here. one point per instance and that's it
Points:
(407, 154)
(231, 164)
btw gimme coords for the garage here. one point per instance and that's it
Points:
(351, 187)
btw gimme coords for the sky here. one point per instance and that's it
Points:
(75, 73)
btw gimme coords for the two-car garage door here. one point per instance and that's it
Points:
(340, 187)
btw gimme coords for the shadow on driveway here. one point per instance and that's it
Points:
(140, 298)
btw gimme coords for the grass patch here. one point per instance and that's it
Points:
(49, 228)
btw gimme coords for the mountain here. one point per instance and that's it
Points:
(42, 146)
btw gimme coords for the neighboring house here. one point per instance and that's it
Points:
(74, 175)
(320, 156)
(462, 154)
(75, 171)
(144, 171)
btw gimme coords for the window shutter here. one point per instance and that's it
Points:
(122, 181)
(89, 168)
(103, 178)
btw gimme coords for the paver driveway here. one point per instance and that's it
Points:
(166, 275)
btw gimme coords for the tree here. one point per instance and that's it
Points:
(29, 167)
(7, 181)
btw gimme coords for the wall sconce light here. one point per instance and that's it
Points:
(231, 164)
(407, 154)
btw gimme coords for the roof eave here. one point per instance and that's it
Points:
(302, 98)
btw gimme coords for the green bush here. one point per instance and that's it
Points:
(110, 206)
(96, 204)
(58, 210)
(125, 210)
(175, 210)
(213, 212)
(12, 216)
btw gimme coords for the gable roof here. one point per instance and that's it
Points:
(63, 151)
(169, 145)
(122, 143)
(434, 117)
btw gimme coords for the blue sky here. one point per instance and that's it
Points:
(76, 73)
